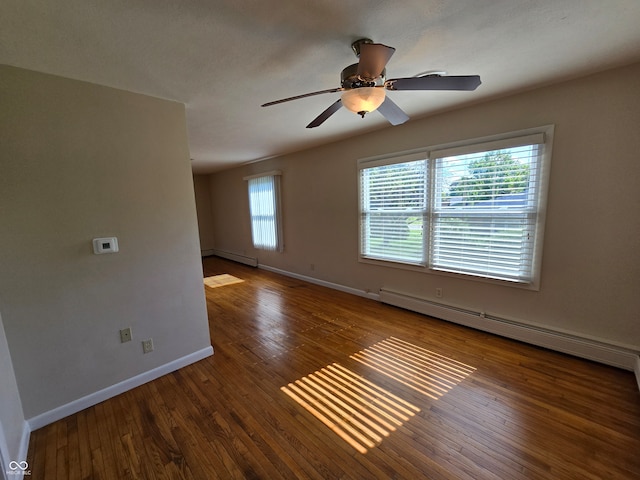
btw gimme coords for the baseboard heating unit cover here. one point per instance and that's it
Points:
(236, 257)
(559, 341)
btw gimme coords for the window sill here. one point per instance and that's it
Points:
(533, 286)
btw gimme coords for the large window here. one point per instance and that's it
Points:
(475, 208)
(264, 207)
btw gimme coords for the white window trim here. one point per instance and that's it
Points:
(277, 174)
(271, 173)
(486, 143)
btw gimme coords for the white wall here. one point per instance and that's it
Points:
(80, 161)
(591, 258)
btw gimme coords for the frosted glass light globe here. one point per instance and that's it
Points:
(363, 100)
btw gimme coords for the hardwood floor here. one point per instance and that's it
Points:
(308, 382)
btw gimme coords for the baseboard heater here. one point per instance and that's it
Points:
(613, 355)
(251, 261)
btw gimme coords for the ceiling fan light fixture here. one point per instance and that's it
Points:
(364, 84)
(363, 99)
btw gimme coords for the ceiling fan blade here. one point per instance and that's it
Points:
(435, 82)
(392, 112)
(319, 120)
(373, 59)
(276, 102)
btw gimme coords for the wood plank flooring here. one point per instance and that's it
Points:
(308, 382)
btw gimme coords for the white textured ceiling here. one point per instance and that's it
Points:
(224, 58)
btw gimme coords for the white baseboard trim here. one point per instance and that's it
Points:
(236, 257)
(207, 253)
(636, 370)
(75, 406)
(323, 283)
(592, 349)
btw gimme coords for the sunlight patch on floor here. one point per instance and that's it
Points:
(357, 410)
(425, 371)
(222, 280)
(363, 413)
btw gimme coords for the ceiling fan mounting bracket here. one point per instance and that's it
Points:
(355, 46)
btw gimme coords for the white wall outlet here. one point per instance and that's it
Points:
(147, 346)
(439, 292)
(125, 335)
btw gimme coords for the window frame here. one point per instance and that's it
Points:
(399, 159)
(475, 145)
(277, 210)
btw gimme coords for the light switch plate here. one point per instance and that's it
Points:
(105, 245)
(125, 335)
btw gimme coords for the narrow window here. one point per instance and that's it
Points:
(264, 208)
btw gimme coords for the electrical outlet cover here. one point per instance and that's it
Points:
(147, 346)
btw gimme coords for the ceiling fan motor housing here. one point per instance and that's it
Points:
(349, 78)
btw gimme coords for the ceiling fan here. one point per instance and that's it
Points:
(364, 85)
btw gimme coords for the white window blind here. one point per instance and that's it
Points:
(475, 208)
(486, 212)
(264, 206)
(393, 211)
